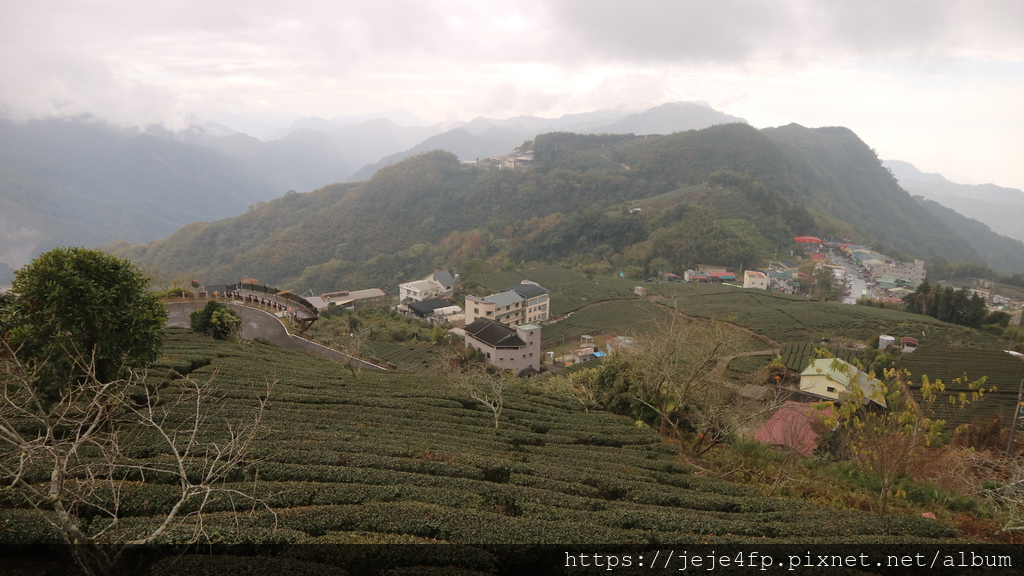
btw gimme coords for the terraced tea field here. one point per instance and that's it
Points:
(616, 318)
(400, 356)
(569, 291)
(797, 355)
(403, 458)
(786, 318)
(947, 364)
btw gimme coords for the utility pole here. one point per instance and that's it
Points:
(1016, 413)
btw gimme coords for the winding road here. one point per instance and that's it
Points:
(257, 323)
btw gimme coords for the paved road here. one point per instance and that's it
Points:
(853, 273)
(259, 324)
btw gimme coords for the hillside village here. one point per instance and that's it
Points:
(612, 321)
(507, 326)
(422, 289)
(556, 326)
(445, 406)
(519, 326)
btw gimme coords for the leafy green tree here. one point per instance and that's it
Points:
(997, 318)
(75, 314)
(582, 386)
(886, 442)
(215, 319)
(438, 335)
(949, 305)
(658, 266)
(78, 422)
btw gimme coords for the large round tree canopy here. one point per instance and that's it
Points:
(75, 313)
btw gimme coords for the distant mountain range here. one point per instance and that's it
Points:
(82, 182)
(727, 195)
(353, 151)
(1002, 209)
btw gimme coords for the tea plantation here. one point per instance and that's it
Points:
(570, 291)
(1003, 371)
(403, 458)
(787, 318)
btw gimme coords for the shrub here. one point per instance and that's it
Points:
(216, 320)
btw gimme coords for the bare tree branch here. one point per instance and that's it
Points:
(82, 450)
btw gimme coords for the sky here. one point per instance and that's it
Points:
(938, 83)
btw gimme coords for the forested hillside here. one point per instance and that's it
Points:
(729, 195)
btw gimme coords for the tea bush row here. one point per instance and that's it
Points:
(394, 456)
(797, 355)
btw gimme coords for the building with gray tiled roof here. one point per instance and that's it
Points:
(519, 304)
(515, 349)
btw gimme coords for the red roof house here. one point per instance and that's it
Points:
(796, 425)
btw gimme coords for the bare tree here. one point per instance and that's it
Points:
(489, 390)
(719, 414)
(1000, 481)
(88, 447)
(672, 366)
(480, 384)
(352, 347)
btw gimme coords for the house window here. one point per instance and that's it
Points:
(489, 312)
(476, 311)
(830, 388)
(488, 355)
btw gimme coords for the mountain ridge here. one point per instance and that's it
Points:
(82, 182)
(999, 207)
(743, 193)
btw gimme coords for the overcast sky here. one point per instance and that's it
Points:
(938, 83)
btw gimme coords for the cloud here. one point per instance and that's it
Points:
(737, 31)
(666, 31)
(71, 56)
(849, 62)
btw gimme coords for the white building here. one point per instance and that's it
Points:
(912, 273)
(831, 378)
(440, 284)
(755, 279)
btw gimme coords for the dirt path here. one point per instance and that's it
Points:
(753, 335)
(723, 363)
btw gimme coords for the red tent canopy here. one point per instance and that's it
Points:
(802, 239)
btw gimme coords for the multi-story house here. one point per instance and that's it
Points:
(515, 349)
(755, 279)
(526, 302)
(913, 273)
